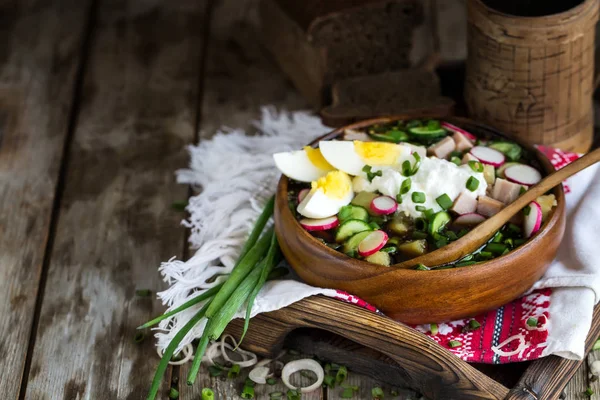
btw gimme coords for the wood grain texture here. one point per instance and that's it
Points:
(116, 224)
(424, 366)
(411, 302)
(533, 76)
(40, 54)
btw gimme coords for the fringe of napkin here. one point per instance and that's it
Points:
(235, 174)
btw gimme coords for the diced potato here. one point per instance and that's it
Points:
(546, 202)
(489, 173)
(398, 225)
(364, 199)
(381, 258)
(414, 248)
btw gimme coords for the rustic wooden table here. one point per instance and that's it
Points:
(98, 99)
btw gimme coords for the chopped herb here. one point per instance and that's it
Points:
(532, 321)
(234, 371)
(588, 392)
(498, 237)
(472, 184)
(347, 393)
(399, 198)
(416, 235)
(208, 394)
(451, 235)
(429, 213)
(527, 210)
(422, 267)
(405, 186)
(462, 232)
(420, 208)
(271, 381)
(454, 343)
(389, 249)
(215, 371)
(143, 292)
(173, 393)
(374, 225)
(441, 242)
(465, 263)
(486, 255)
(444, 201)
(519, 242)
(509, 242)
(329, 381)
(179, 205)
(420, 224)
(370, 175)
(247, 392)
(476, 166)
(455, 160)
(474, 325)
(433, 125)
(249, 382)
(341, 375)
(275, 395)
(139, 337)
(434, 329)
(418, 197)
(522, 190)
(293, 395)
(514, 228)
(377, 393)
(495, 248)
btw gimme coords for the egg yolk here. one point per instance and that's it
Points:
(335, 185)
(378, 153)
(317, 159)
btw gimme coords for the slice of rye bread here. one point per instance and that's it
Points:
(317, 42)
(387, 94)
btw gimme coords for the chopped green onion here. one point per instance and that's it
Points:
(519, 242)
(509, 242)
(596, 345)
(420, 208)
(472, 183)
(416, 235)
(370, 175)
(465, 263)
(405, 186)
(429, 213)
(329, 381)
(374, 225)
(420, 224)
(275, 395)
(474, 325)
(347, 393)
(444, 201)
(271, 381)
(418, 197)
(462, 232)
(215, 371)
(451, 235)
(247, 392)
(143, 292)
(422, 267)
(389, 249)
(293, 395)
(434, 329)
(234, 371)
(588, 392)
(522, 190)
(208, 394)
(476, 166)
(139, 337)
(454, 343)
(514, 228)
(495, 248)
(173, 393)
(433, 125)
(455, 160)
(532, 321)
(498, 237)
(527, 210)
(179, 205)
(377, 393)
(406, 168)
(341, 375)
(486, 254)
(249, 382)
(441, 242)
(399, 198)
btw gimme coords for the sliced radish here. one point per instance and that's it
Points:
(532, 221)
(302, 194)
(319, 224)
(455, 128)
(372, 243)
(469, 219)
(383, 205)
(523, 174)
(488, 156)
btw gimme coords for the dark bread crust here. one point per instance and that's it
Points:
(385, 94)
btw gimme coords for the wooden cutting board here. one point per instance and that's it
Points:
(394, 353)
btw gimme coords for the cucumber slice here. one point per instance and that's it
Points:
(438, 222)
(511, 150)
(352, 212)
(393, 136)
(500, 171)
(350, 228)
(423, 132)
(364, 200)
(352, 244)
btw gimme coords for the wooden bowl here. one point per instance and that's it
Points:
(418, 297)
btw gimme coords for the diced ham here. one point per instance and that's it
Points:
(465, 203)
(443, 148)
(488, 207)
(469, 157)
(461, 141)
(506, 191)
(351, 134)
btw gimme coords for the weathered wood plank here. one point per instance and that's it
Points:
(40, 54)
(137, 112)
(365, 385)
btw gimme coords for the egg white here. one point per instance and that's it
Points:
(296, 165)
(342, 155)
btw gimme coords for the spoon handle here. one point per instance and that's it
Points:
(485, 230)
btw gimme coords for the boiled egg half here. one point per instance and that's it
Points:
(327, 195)
(304, 165)
(352, 157)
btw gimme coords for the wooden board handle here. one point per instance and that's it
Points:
(428, 367)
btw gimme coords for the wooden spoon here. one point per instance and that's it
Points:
(483, 232)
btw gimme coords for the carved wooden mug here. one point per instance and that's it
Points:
(530, 69)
